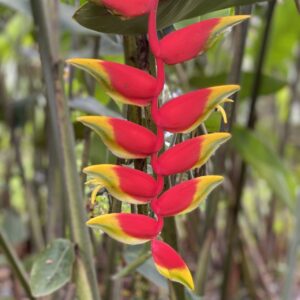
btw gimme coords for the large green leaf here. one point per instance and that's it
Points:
(52, 268)
(267, 164)
(100, 19)
(269, 84)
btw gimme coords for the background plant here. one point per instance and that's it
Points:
(263, 205)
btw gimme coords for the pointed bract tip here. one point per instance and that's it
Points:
(91, 119)
(218, 136)
(97, 168)
(230, 21)
(82, 61)
(214, 178)
(224, 90)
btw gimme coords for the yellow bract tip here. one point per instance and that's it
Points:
(229, 21)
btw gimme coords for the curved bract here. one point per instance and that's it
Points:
(185, 113)
(123, 183)
(190, 154)
(123, 138)
(186, 43)
(185, 197)
(123, 83)
(169, 263)
(126, 9)
(126, 228)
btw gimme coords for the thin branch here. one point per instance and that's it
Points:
(232, 226)
(15, 263)
(44, 14)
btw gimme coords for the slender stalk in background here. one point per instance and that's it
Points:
(15, 263)
(292, 256)
(283, 141)
(240, 37)
(234, 209)
(63, 138)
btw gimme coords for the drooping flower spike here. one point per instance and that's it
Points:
(189, 154)
(125, 184)
(126, 9)
(128, 140)
(124, 139)
(122, 83)
(186, 196)
(199, 37)
(127, 228)
(170, 264)
(185, 113)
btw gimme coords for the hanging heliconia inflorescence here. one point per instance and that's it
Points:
(128, 140)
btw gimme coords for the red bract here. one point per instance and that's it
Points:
(190, 154)
(123, 83)
(124, 183)
(127, 9)
(186, 112)
(127, 228)
(170, 264)
(185, 197)
(125, 139)
(185, 44)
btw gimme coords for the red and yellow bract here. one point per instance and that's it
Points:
(170, 264)
(123, 83)
(127, 228)
(185, 197)
(123, 138)
(126, 184)
(185, 44)
(190, 154)
(195, 106)
(127, 9)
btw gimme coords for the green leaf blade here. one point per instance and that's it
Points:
(98, 18)
(53, 268)
(265, 161)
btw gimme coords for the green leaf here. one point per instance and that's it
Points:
(264, 160)
(269, 84)
(52, 268)
(98, 18)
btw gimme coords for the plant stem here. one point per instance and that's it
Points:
(15, 263)
(133, 265)
(63, 138)
(240, 37)
(232, 226)
(292, 255)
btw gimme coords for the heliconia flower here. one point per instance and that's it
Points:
(188, 42)
(123, 83)
(127, 9)
(190, 154)
(124, 139)
(185, 197)
(127, 228)
(186, 112)
(123, 183)
(169, 264)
